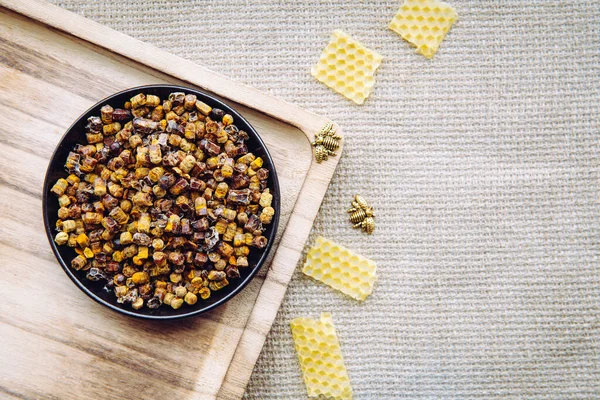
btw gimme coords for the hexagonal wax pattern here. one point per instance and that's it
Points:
(340, 268)
(347, 67)
(320, 358)
(424, 23)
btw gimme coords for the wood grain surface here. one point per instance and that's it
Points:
(55, 341)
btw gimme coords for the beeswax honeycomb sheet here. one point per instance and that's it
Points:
(482, 165)
(424, 23)
(320, 358)
(348, 67)
(340, 268)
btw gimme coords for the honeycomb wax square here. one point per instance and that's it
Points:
(340, 268)
(348, 67)
(424, 24)
(320, 357)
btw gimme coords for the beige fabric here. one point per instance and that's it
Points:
(482, 164)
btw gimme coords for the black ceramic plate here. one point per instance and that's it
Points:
(64, 254)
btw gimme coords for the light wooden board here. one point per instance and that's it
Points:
(55, 342)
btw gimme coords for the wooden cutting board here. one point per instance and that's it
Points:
(57, 343)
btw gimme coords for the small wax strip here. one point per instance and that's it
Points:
(340, 268)
(424, 24)
(348, 67)
(320, 358)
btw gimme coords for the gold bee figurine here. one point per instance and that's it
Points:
(362, 215)
(321, 153)
(326, 142)
(367, 225)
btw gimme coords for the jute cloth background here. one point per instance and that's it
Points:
(483, 165)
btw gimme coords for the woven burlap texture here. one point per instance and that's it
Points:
(483, 165)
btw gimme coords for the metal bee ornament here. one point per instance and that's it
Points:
(362, 215)
(326, 142)
(367, 225)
